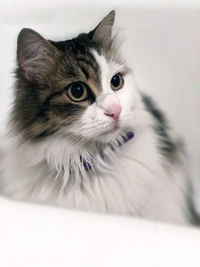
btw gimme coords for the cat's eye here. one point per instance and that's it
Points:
(77, 92)
(117, 81)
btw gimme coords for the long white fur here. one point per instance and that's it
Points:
(132, 180)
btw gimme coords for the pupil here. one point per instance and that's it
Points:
(115, 81)
(77, 90)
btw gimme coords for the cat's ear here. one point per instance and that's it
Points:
(102, 34)
(35, 55)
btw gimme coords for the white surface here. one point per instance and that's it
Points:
(38, 236)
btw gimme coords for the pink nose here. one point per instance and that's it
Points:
(113, 111)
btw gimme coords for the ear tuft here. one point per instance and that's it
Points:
(102, 34)
(33, 53)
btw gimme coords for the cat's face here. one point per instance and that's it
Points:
(111, 111)
(78, 88)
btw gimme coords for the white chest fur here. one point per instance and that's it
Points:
(135, 182)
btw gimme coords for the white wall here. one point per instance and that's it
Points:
(162, 44)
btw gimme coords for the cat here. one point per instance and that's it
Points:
(82, 135)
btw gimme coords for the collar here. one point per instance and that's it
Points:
(125, 138)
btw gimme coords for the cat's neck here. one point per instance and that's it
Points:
(71, 160)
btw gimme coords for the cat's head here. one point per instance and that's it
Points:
(79, 88)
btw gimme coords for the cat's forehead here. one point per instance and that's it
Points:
(78, 61)
(83, 61)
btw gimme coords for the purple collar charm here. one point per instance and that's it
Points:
(128, 137)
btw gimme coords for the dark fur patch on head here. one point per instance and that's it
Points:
(167, 146)
(41, 106)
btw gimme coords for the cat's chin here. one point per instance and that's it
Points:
(108, 136)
